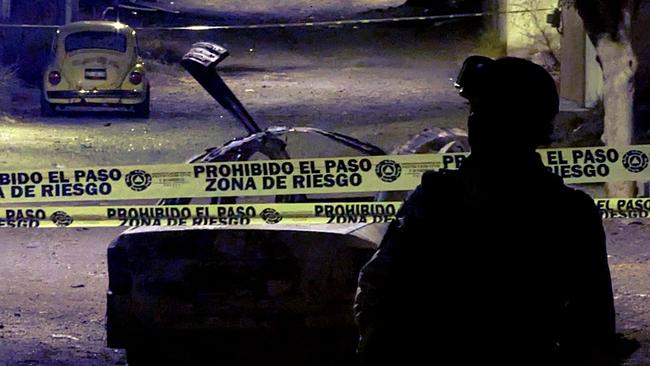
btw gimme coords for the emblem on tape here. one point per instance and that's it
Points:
(61, 219)
(138, 180)
(271, 216)
(635, 161)
(388, 170)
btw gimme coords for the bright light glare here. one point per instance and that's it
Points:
(198, 27)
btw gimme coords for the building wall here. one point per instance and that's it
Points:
(527, 32)
(593, 76)
(573, 72)
(581, 77)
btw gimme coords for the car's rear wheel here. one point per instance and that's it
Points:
(143, 109)
(47, 109)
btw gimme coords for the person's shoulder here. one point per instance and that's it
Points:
(421, 201)
(434, 180)
(577, 200)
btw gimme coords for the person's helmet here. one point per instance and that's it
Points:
(469, 78)
(512, 94)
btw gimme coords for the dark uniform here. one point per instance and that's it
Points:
(498, 263)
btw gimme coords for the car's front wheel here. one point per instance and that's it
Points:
(47, 108)
(143, 109)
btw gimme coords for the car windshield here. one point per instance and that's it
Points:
(97, 40)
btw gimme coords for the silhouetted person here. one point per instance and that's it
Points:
(497, 263)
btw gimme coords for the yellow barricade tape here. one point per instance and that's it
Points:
(200, 215)
(624, 207)
(301, 176)
(272, 214)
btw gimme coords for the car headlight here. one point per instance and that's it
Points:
(54, 77)
(135, 78)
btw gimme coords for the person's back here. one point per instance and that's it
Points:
(498, 262)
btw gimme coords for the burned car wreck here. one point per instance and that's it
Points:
(245, 292)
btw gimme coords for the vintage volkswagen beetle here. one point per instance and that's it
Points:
(95, 63)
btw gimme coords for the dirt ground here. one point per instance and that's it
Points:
(359, 85)
(376, 88)
(292, 7)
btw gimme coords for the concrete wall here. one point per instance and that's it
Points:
(640, 42)
(581, 78)
(527, 34)
(593, 76)
(573, 73)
